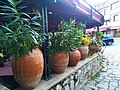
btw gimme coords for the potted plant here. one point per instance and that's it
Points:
(21, 35)
(93, 43)
(99, 44)
(60, 43)
(75, 39)
(92, 46)
(99, 36)
(85, 42)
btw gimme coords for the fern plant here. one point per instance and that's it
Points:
(19, 31)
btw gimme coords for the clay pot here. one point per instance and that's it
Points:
(84, 52)
(28, 70)
(99, 47)
(74, 57)
(92, 49)
(59, 62)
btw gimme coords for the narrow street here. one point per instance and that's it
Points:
(109, 78)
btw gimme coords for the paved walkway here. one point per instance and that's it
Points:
(109, 79)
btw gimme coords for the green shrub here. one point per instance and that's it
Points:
(67, 37)
(21, 32)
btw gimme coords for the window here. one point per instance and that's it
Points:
(105, 11)
(116, 17)
(107, 22)
(115, 5)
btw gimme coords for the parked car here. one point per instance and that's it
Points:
(108, 40)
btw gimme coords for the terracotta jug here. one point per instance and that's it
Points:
(28, 70)
(74, 57)
(59, 61)
(84, 52)
(92, 49)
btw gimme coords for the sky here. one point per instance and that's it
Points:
(93, 2)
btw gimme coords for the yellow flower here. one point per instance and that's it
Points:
(86, 39)
(86, 42)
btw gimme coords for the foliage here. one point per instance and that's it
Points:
(96, 38)
(95, 76)
(68, 36)
(93, 34)
(86, 39)
(99, 40)
(93, 42)
(20, 32)
(99, 34)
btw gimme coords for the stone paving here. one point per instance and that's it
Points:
(109, 78)
(2, 87)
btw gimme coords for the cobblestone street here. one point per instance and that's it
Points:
(109, 78)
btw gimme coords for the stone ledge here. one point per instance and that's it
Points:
(56, 78)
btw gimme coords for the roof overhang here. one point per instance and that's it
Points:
(79, 9)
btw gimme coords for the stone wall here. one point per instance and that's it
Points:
(80, 76)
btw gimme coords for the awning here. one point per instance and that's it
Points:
(91, 30)
(114, 27)
(65, 9)
(104, 28)
(79, 9)
(100, 29)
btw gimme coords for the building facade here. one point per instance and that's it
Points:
(111, 11)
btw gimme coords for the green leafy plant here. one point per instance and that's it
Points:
(19, 32)
(95, 76)
(99, 40)
(66, 38)
(93, 42)
(100, 34)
